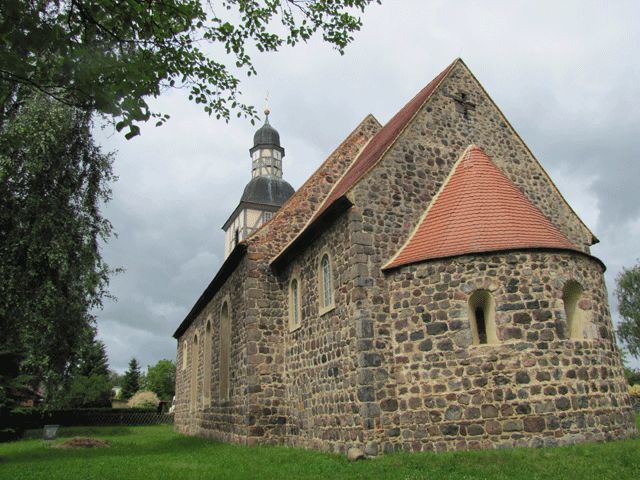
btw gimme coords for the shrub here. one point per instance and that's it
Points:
(634, 391)
(144, 399)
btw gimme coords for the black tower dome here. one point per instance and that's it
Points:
(270, 191)
(266, 135)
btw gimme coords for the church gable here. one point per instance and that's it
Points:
(477, 210)
(398, 187)
(299, 209)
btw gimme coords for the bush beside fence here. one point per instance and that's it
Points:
(85, 417)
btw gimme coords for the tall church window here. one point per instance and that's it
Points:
(482, 310)
(208, 347)
(225, 351)
(295, 312)
(325, 284)
(185, 357)
(571, 294)
(194, 372)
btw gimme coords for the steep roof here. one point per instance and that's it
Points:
(478, 209)
(292, 216)
(379, 144)
(335, 202)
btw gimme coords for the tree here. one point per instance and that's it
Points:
(89, 384)
(93, 359)
(131, 381)
(628, 295)
(161, 379)
(53, 181)
(116, 378)
(110, 56)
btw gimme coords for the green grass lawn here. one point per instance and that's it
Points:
(157, 452)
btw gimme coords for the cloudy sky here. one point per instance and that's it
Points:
(566, 74)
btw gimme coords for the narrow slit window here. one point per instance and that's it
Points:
(571, 295)
(482, 318)
(482, 328)
(194, 373)
(185, 358)
(327, 287)
(208, 347)
(225, 352)
(294, 305)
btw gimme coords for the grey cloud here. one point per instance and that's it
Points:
(565, 74)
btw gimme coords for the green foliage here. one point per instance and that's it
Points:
(632, 375)
(161, 379)
(628, 295)
(53, 181)
(89, 384)
(131, 380)
(159, 452)
(110, 56)
(116, 378)
(89, 391)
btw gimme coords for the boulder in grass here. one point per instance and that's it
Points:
(354, 454)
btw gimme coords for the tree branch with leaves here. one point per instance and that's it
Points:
(112, 56)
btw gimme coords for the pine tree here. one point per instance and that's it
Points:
(131, 382)
(89, 384)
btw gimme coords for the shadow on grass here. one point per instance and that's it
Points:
(120, 447)
(64, 432)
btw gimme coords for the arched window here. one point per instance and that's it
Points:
(208, 347)
(571, 294)
(325, 280)
(295, 311)
(194, 372)
(482, 312)
(185, 358)
(225, 351)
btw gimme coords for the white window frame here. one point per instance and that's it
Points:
(295, 304)
(326, 285)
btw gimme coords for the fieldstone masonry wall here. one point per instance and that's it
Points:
(534, 388)
(393, 366)
(220, 419)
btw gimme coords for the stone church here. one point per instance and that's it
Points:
(427, 288)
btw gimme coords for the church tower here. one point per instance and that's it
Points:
(266, 191)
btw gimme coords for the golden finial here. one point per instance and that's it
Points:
(266, 105)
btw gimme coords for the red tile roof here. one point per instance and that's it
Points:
(381, 142)
(478, 209)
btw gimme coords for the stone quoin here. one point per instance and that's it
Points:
(427, 288)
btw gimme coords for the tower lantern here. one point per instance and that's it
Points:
(266, 191)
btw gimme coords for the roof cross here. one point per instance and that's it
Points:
(463, 105)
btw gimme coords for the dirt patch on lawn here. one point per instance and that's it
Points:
(83, 442)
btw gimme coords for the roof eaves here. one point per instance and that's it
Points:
(389, 269)
(311, 231)
(227, 268)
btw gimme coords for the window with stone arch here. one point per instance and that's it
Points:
(482, 313)
(185, 357)
(194, 372)
(225, 352)
(295, 307)
(576, 317)
(208, 350)
(325, 281)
